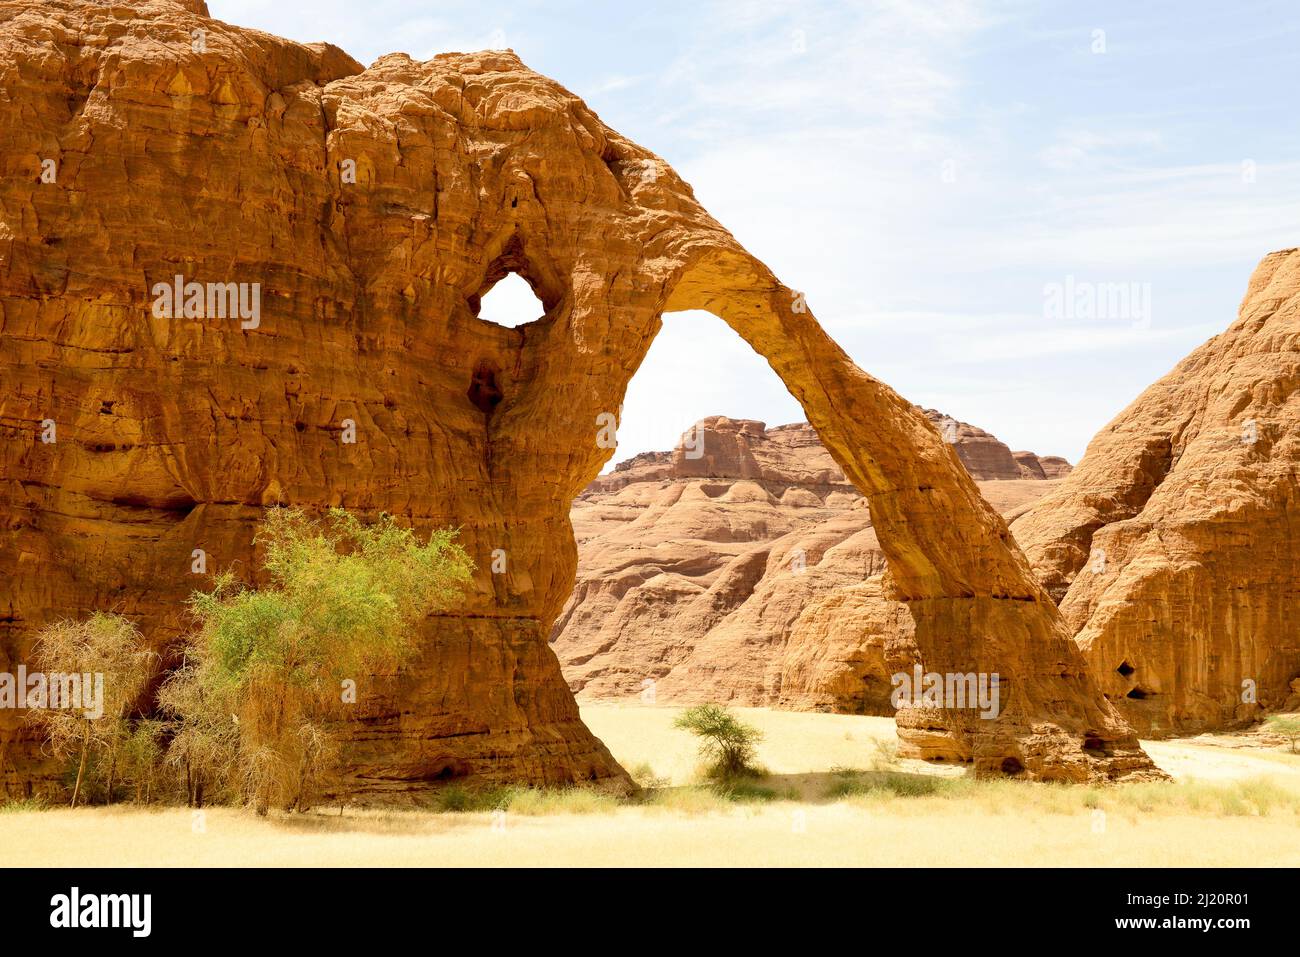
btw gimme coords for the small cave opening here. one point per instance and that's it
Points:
(484, 392)
(449, 771)
(1012, 766)
(1139, 694)
(1125, 669)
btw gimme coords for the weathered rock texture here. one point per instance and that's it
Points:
(711, 578)
(228, 162)
(1174, 546)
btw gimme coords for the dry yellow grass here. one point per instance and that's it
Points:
(1229, 807)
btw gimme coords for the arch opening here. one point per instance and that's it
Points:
(936, 589)
(510, 302)
(718, 479)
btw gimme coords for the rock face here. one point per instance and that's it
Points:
(362, 214)
(1174, 546)
(718, 577)
(985, 458)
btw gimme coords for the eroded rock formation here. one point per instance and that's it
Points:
(1174, 546)
(1046, 467)
(985, 458)
(713, 572)
(371, 208)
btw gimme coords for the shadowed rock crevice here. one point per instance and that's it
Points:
(484, 392)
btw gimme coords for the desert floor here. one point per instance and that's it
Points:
(1235, 801)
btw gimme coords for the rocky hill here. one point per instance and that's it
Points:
(1174, 547)
(713, 572)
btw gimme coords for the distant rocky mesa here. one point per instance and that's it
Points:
(792, 454)
(725, 569)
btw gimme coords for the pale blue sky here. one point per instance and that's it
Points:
(922, 171)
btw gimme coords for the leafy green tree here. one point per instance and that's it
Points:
(110, 658)
(726, 742)
(258, 697)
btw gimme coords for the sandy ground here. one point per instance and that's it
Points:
(997, 828)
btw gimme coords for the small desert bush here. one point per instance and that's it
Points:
(740, 791)
(458, 798)
(884, 779)
(645, 777)
(1287, 725)
(143, 752)
(518, 799)
(571, 800)
(23, 805)
(851, 782)
(100, 748)
(727, 744)
(884, 754)
(713, 797)
(690, 801)
(259, 696)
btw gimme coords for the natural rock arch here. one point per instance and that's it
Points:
(468, 167)
(973, 604)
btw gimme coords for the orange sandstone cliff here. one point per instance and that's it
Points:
(1174, 545)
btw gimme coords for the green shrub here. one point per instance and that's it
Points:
(567, 800)
(744, 792)
(260, 685)
(23, 805)
(143, 753)
(460, 799)
(726, 742)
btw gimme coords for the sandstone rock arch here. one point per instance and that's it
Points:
(176, 433)
(972, 604)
